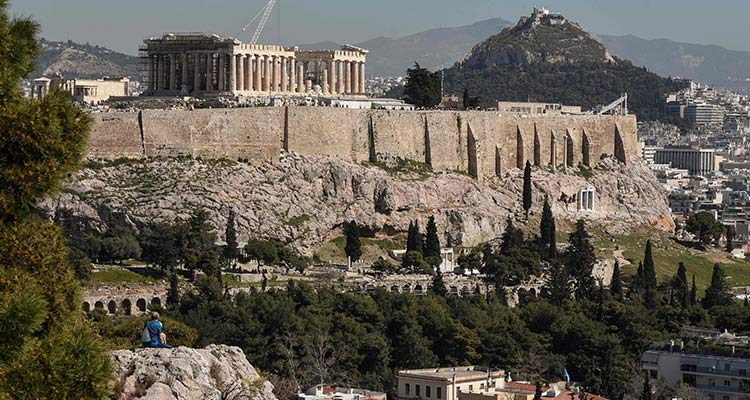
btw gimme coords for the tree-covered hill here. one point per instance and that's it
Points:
(547, 58)
(584, 84)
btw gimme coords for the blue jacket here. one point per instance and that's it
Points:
(154, 329)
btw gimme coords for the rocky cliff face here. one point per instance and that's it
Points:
(305, 200)
(213, 373)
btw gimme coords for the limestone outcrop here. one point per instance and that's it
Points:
(213, 373)
(304, 200)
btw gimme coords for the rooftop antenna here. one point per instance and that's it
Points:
(264, 13)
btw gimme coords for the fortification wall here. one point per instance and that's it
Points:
(483, 144)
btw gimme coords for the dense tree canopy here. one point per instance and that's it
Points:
(47, 349)
(423, 88)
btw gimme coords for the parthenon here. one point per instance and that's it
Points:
(208, 64)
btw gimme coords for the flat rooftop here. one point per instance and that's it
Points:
(447, 374)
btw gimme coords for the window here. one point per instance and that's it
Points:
(727, 383)
(427, 391)
(416, 390)
(438, 392)
(407, 388)
(471, 388)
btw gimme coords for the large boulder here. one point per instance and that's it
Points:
(215, 372)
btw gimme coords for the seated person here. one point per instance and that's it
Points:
(153, 335)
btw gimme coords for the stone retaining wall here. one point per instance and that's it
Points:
(481, 143)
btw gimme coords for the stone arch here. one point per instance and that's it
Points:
(99, 305)
(537, 148)
(86, 307)
(553, 150)
(395, 289)
(156, 302)
(140, 304)
(519, 148)
(585, 149)
(471, 149)
(453, 290)
(532, 292)
(619, 146)
(498, 161)
(418, 289)
(465, 290)
(406, 288)
(126, 306)
(569, 155)
(112, 307)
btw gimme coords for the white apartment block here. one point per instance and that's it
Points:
(718, 377)
(446, 383)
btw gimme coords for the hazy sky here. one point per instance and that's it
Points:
(122, 25)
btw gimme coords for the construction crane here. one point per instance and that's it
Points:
(264, 13)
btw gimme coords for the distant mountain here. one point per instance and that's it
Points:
(74, 60)
(547, 57)
(710, 64)
(433, 49)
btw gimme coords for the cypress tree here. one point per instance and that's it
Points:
(615, 287)
(680, 286)
(649, 277)
(646, 393)
(414, 238)
(547, 230)
(717, 294)
(438, 285)
(231, 252)
(538, 391)
(527, 189)
(432, 242)
(173, 294)
(512, 237)
(580, 261)
(557, 287)
(693, 293)
(730, 239)
(353, 246)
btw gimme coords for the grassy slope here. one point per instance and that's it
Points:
(115, 276)
(668, 254)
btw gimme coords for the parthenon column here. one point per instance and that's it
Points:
(324, 87)
(340, 67)
(362, 79)
(221, 65)
(267, 74)
(257, 78)
(292, 74)
(240, 61)
(149, 72)
(332, 76)
(172, 72)
(248, 67)
(301, 78)
(355, 77)
(348, 69)
(209, 72)
(185, 81)
(284, 77)
(232, 72)
(159, 72)
(196, 72)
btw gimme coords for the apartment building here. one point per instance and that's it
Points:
(446, 383)
(719, 377)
